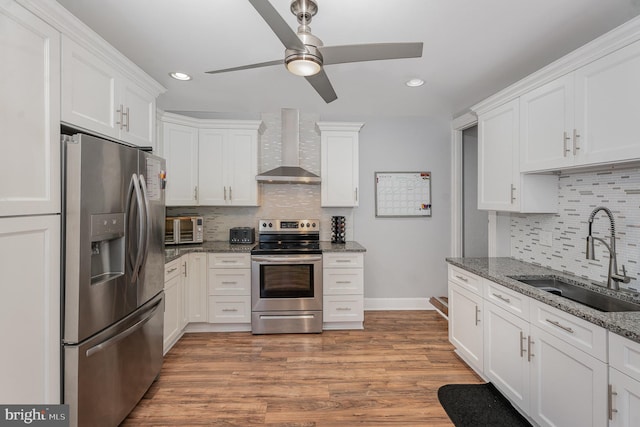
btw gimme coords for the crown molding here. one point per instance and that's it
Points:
(179, 119)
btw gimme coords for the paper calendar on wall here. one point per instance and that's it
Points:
(403, 194)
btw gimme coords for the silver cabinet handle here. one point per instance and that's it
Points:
(356, 194)
(343, 309)
(530, 342)
(171, 270)
(464, 279)
(232, 310)
(576, 135)
(556, 323)
(230, 194)
(185, 268)
(195, 193)
(128, 119)
(225, 192)
(477, 317)
(121, 112)
(513, 196)
(343, 282)
(501, 298)
(522, 340)
(566, 139)
(611, 394)
(229, 283)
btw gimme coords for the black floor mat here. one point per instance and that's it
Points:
(474, 405)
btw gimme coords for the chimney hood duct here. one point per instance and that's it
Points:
(290, 172)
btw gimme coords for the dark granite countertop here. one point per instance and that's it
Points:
(174, 252)
(626, 324)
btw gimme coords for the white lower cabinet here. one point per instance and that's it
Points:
(229, 289)
(343, 290)
(550, 364)
(624, 382)
(196, 287)
(174, 302)
(465, 325)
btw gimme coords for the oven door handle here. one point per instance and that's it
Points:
(286, 259)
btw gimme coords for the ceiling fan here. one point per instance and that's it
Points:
(305, 54)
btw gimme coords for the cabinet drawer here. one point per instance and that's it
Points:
(581, 334)
(506, 298)
(624, 355)
(229, 281)
(227, 260)
(342, 281)
(465, 279)
(342, 260)
(229, 309)
(343, 308)
(172, 269)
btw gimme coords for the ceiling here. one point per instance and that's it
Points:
(472, 49)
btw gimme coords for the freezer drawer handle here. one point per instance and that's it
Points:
(122, 335)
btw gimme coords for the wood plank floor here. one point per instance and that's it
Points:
(385, 375)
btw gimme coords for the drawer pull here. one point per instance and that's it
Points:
(228, 261)
(501, 298)
(530, 342)
(522, 340)
(477, 317)
(556, 323)
(232, 310)
(343, 282)
(343, 309)
(612, 410)
(171, 270)
(343, 260)
(464, 279)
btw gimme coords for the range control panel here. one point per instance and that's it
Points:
(289, 225)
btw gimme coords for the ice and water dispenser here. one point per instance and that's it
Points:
(107, 247)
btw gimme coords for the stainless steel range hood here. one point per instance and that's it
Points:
(290, 171)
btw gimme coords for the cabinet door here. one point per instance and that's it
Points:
(140, 108)
(89, 98)
(568, 387)
(546, 126)
(180, 149)
(196, 284)
(607, 108)
(242, 167)
(625, 400)
(498, 158)
(30, 117)
(465, 325)
(211, 169)
(172, 311)
(339, 169)
(505, 353)
(30, 309)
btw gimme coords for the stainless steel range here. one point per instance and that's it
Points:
(286, 277)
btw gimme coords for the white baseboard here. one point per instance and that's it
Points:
(371, 304)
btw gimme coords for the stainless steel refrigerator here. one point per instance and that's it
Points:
(113, 267)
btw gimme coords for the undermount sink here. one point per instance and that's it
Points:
(578, 294)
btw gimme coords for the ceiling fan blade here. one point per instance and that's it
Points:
(369, 52)
(322, 85)
(278, 25)
(247, 67)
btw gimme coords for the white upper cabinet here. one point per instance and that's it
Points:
(546, 126)
(584, 118)
(210, 162)
(607, 108)
(96, 96)
(30, 117)
(339, 168)
(180, 149)
(501, 186)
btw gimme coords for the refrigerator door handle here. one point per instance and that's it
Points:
(141, 233)
(147, 228)
(122, 335)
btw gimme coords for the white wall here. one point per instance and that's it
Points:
(405, 256)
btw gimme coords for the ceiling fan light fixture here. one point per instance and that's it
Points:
(303, 63)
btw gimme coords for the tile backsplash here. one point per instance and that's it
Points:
(579, 195)
(281, 201)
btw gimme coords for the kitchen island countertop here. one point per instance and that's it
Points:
(498, 270)
(174, 252)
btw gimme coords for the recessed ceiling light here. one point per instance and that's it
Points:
(415, 82)
(180, 76)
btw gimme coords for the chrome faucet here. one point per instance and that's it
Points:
(613, 278)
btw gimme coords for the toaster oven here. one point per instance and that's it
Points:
(179, 230)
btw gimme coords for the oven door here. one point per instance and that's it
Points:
(286, 283)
